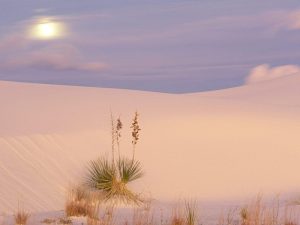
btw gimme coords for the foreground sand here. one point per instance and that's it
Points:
(213, 145)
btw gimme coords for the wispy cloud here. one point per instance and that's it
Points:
(283, 20)
(262, 24)
(19, 52)
(293, 20)
(53, 57)
(265, 72)
(269, 21)
(12, 42)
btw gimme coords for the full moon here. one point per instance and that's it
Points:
(46, 29)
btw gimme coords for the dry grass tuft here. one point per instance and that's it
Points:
(177, 221)
(64, 221)
(290, 215)
(93, 213)
(48, 221)
(191, 213)
(94, 217)
(229, 219)
(259, 213)
(143, 215)
(21, 217)
(82, 202)
(78, 201)
(185, 215)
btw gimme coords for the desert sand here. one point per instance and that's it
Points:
(223, 144)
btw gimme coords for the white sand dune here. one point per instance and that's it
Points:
(211, 145)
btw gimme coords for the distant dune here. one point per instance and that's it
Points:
(211, 145)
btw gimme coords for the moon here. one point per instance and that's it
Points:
(45, 29)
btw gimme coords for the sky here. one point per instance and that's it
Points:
(165, 46)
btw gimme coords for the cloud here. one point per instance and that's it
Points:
(293, 20)
(284, 20)
(59, 57)
(12, 42)
(265, 72)
(248, 26)
(17, 52)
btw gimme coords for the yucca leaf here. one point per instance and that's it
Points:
(129, 170)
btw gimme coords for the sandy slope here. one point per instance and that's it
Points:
(211, 145)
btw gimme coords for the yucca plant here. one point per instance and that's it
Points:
(111, 177)
(112, 181)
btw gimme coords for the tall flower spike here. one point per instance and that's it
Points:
(118, 134)
(135, 132)
(113, 137)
